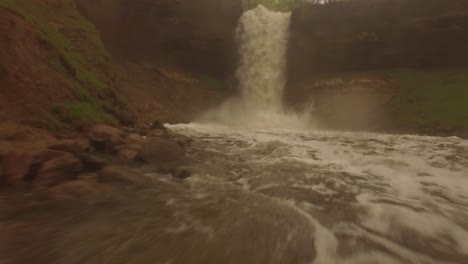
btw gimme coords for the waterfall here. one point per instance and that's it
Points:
(262, 38)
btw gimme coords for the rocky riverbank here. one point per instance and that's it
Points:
(93, 162)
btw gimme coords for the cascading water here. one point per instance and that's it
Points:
(262, 37)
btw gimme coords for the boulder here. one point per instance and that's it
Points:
(104, 137)
(15, 167)
(156, 133)
(72, 189)
(121, 175)
(63, 168)
(72, 145)
(42, 156)
(5, 147)
(134, 138)
(180, 139)
(77, 189)
(158, 125)
(182, 172)
(20, 166)
(141, 128)
(128, 154)
(92, 162)
(158, 150)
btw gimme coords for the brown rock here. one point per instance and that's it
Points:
(5, 148)
(73, 190)
(142, 127)
(20, 166)
(128, 154)
(78, 189)
(104, 137)
(72, 145)
(156, 133)
(135, 146)
(157, 125)
(42, 156)
(16, 166)
(117, 174)
(134, 138)
(60, 169)
(181, 139)
(158, 150)
(92, 162)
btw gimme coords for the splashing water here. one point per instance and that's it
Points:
(371, 198)
(262, 37)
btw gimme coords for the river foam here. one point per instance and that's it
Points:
(379, 198)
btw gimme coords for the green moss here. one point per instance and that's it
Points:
(431, 98)
(81, 56)
(423, 100)
(84, 112)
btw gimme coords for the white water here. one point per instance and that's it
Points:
(372, 198)
(262, 37)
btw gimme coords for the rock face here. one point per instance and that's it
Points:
(380, 65)
(198, 34)
(179, 56)
(369, 35)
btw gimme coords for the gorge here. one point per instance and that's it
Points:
(159, 131)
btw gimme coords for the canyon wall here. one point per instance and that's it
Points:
(177, 57)
(408, 56)
(71, 61)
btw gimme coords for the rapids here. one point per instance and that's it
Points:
(369, 198)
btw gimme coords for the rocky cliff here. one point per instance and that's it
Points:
(71, 61)
(53, 66)
(177, 56)
(408, 55)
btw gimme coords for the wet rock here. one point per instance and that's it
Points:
(181, 139)
(141, 128)
(103, 137)
(72, 146)
(117, 174)
(77, 189)
(15, 167)
(158, 125)
(60, 169)
(5, 147)
(156, 133)
(134, 138)
(20, 166)
(158, 150)
(182, 172)
(42, 156)
(93, 162)
(128, 154)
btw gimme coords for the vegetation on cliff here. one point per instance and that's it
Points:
(78, 56)
(431, 100)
